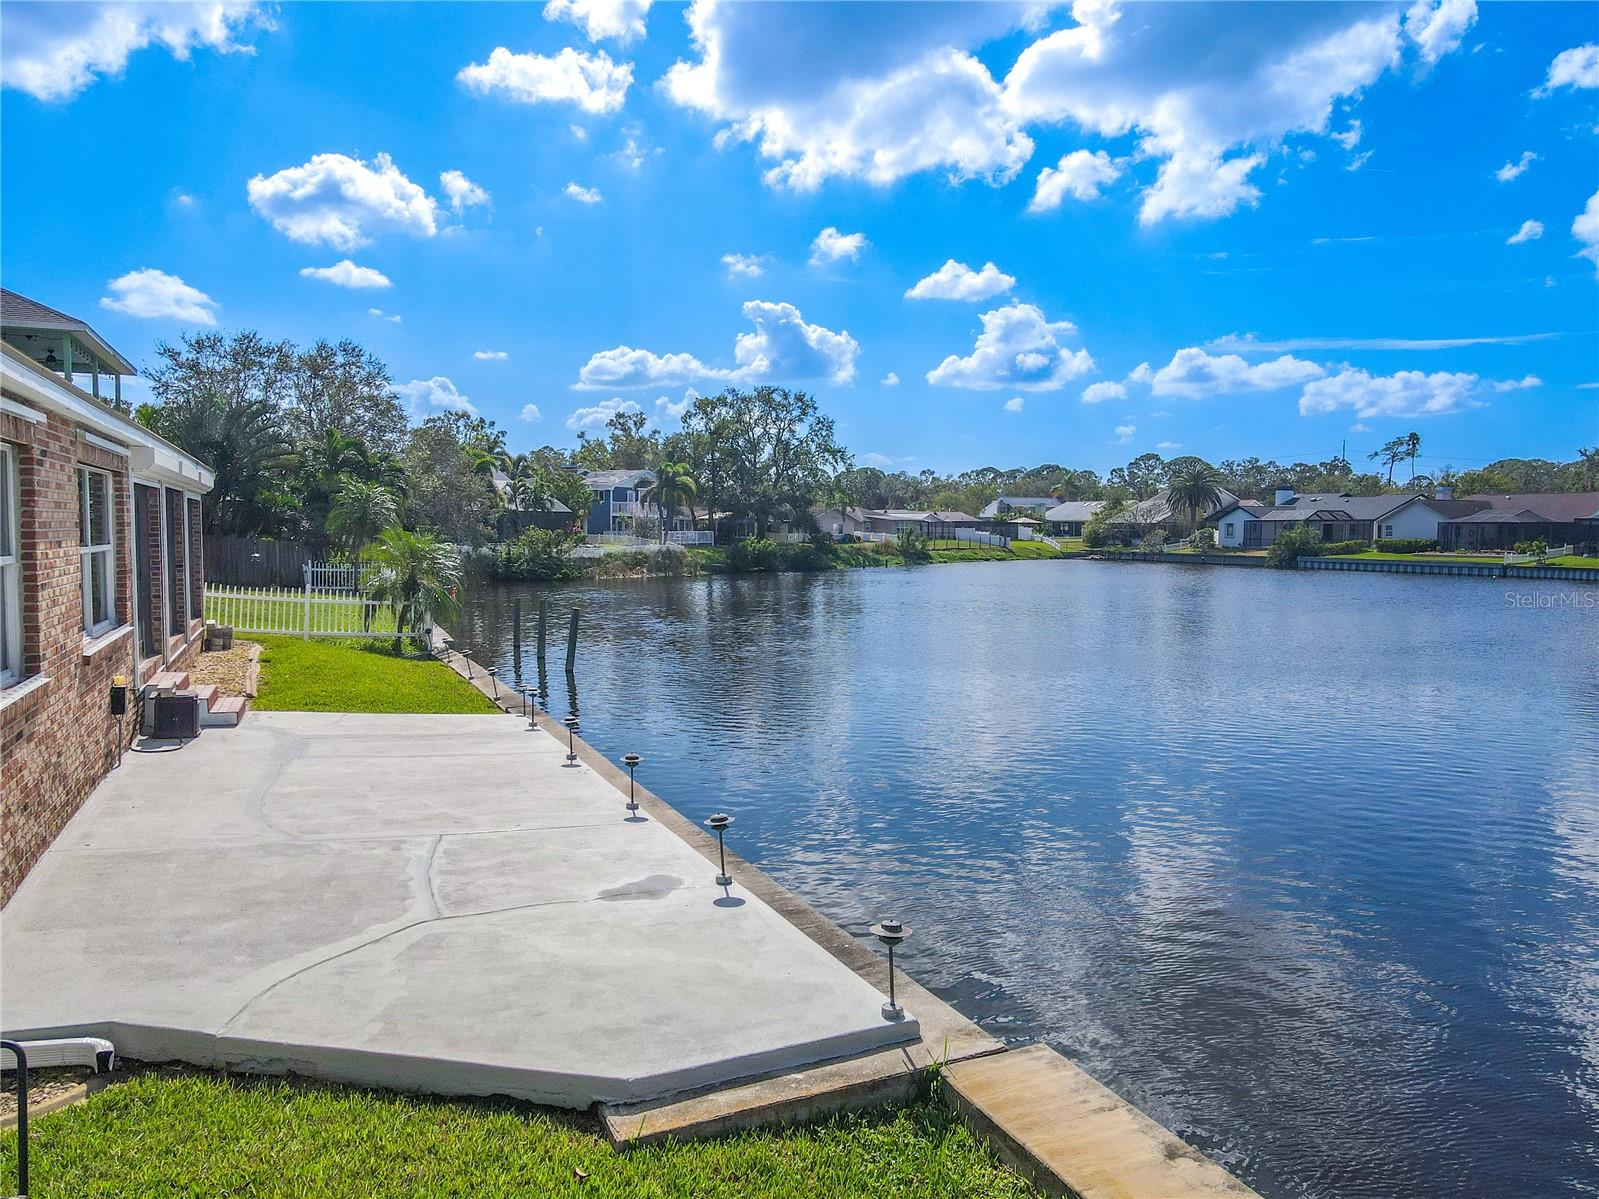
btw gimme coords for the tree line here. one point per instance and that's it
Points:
(313, 444)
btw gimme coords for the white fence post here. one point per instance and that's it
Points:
(305, 631)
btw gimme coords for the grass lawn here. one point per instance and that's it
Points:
(323, 675)
(192, 1134)
(1574, 560)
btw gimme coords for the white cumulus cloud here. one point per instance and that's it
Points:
(346, 274)
(1017, 350)
(1098, 393)
(54, 52)
(831, 246)
(1514, 170)
(1015, 404)
(957, 281)
(595, 416)
(156, 294)
(746, 265)
(1525, 383)
(1586, 229)
(1438, 26)
(1124, 433)
(530, 413)
(1208, 88)
(782, 348)
(1577, 67)
(437, 394)
(1194, 373)
(461, 191)
(490, 355)
(1529, 231)
(890, 380)
(591, 81)
(342, 202)
(1404, 393)
(674, 409)
(583, 195)
(1080, 174)
(602, 20)
(885, 92)
(393, 318)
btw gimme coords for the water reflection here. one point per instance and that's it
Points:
(1301, 864)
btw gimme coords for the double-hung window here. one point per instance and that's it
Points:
(10, 569)
(95, 551)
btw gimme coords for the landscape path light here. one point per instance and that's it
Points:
(631, 761)
(494, 676)
(891, 933)
(719, 821)
(571, 739)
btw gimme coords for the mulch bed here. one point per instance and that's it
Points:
(227, 670)
(43, 1085)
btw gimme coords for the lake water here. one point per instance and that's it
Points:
(1305, 865)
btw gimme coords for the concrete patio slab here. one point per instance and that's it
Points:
(437, 903)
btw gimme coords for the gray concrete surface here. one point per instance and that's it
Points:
(436, 903)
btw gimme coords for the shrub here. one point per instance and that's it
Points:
(807, 556)
(753, 554)
(1152, 542)
(537, 555)
(1405, 545)
(1301, 541)
(913, 546)
(1540, 548)
(1203, 540)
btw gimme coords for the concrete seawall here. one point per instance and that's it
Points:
(1047, 1118)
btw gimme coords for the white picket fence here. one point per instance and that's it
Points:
(297, 612)
(1026, 534)
(332, 576)
(1554, 551)
(690, 537)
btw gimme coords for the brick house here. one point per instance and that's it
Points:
(100, 570)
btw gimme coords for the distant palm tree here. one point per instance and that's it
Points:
(1195, 490)
(1413, 447)
(360, 512)
(674, 487)
(417, 575)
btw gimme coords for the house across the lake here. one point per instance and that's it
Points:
(616, 505)
(1068, 518)
(1336, 516)
(100, 569)
(839, 522)
(1500, 522)
(936, 525)
(1022, 505)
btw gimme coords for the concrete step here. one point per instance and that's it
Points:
(226, 713)
(168, 680)
(206, 693)
(1072, 1136)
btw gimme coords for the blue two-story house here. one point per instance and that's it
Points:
(616, 499)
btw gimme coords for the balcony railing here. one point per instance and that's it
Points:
(628, 508)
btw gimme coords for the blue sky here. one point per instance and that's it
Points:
(1219, 230)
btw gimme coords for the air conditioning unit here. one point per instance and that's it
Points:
(177, 716)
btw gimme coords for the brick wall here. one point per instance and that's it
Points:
(58, 738)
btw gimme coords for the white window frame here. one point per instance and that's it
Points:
(98, 557)
(10, 567)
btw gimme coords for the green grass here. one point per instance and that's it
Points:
(1574, 560)
(357, 676)
(190, 1134)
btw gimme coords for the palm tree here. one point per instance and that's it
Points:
(361, 511)
(1413, 447)
(1195, 490)
(417, 575)
(674, 487)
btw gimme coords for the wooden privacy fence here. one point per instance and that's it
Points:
(253, 562)
(298, 612)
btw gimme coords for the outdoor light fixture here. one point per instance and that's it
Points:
(571, 739)
(719, 821)
(631, 761)
(494, 677)
(449, 645)
(891, 933)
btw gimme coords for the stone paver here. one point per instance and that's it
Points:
(430, 902)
